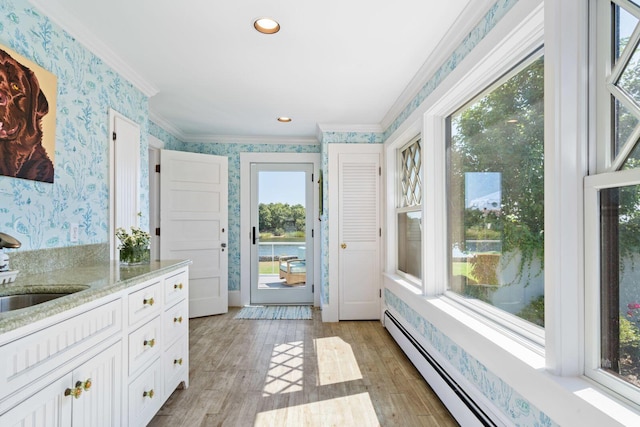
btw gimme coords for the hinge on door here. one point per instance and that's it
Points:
(311, 176)
(380, 232)
(313, 288)
(379, 170)
(380, 292)
(113, 136)
(157, 168)
(158, 231)
(312, 233)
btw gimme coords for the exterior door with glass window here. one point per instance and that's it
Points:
(282, 233)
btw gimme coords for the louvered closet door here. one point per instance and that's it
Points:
(359, 236)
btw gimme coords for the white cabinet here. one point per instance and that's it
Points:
(158, 329)
(90, 395)
(111, 362)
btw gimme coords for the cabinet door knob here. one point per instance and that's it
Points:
(343, 246)
(177, 361)
(177, 319)
(148, 394)
(177, 286)
(149, 301)
(150, 342)
(75, 392)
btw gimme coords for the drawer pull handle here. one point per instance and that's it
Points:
(150, 342)
(177, 286)
(177, 361)
(177, 319)
(148, 394)
(75, 392)
(149, 301)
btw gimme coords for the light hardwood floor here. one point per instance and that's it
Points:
(299, 373)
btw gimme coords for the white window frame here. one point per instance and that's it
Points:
(525, 40)
(605, 176)
(411, 279)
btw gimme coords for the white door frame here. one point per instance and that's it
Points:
(243, 297)
(155, 145)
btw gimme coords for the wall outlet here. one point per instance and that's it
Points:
(73, 233)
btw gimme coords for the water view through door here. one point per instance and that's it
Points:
(281, 234)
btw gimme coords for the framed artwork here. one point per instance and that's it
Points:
(27, 118)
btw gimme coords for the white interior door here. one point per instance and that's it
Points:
(194, 225)
(359, 235)
(124, 174)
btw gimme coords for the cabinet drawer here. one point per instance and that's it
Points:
(145, 303)
(144, 344)
(176, 322)
(145, 395)
(176, 287)
(27, 359)
(175, 365)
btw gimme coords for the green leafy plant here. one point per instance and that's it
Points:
(134, 247)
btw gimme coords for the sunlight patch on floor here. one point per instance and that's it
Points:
(336, 361)
(285, 369)
(355, 410)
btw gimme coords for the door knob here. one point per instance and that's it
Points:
(343, 246)
(224, 245)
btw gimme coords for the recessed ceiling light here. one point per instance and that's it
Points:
(266, 25)
(284, 119)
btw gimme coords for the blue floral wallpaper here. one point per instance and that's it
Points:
(39, 214)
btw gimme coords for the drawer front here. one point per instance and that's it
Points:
(145, 303)
(145, 395)
(175, 365)
(176, 287)
(28, 359)
(176, 322)
(144, 344)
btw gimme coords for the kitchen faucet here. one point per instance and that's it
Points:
(6, 241)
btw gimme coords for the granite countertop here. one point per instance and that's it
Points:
(87, 283)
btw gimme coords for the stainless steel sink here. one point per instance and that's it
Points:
(15, 302)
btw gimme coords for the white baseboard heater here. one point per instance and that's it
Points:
(463, 408)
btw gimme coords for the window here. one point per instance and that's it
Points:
(409, 210)
(496, 195)
(612, 205)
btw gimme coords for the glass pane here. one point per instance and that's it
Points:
(410, 243)
(623, 27)
(633, 160)
(282, 225)
(496, 196)
(620, 278)
(411, 183)
(625, 123)
(630, 78)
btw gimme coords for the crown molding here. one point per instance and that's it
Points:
(329, 127)
(462, 27)
(69, 23)
(245, 139)
(166, 125)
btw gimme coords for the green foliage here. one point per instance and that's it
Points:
(629, 338)
(534, 311)
(504, 132)
(276, 218)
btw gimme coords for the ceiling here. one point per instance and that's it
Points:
(335, 64)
